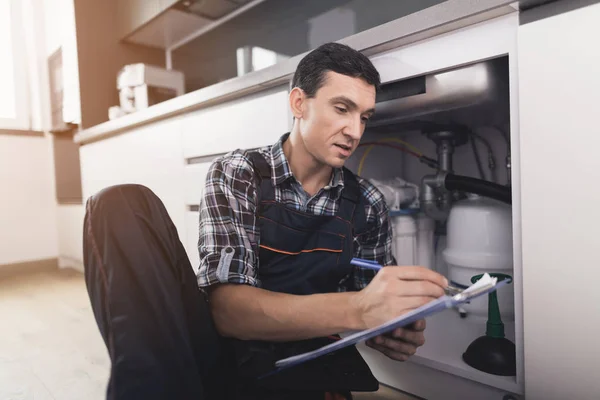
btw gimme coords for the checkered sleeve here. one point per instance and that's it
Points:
(376, 242)
(228, 238)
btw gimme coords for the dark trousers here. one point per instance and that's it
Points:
(154, 320)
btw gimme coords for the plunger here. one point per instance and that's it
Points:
(492, 353)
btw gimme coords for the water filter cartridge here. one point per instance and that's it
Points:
(404, 244)
(425, 245)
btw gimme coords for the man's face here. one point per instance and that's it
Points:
(333, 121)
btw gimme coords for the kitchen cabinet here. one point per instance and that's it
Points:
(149, 155)
(194, 179)
(172, 157)
(190, 242)
(559, 93)
(448, 335)
(133, 14)
(250, 122)
(552, 93)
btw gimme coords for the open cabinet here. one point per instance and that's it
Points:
(453, 98)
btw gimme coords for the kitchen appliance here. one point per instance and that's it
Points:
(141, 86)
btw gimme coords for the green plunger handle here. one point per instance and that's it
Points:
(495, 327)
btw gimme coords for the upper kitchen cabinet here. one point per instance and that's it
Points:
(263, 33)
(216, 40)
(165, 23)
(132, 14)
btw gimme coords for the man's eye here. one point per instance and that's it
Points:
(365, 119)
(341, 109)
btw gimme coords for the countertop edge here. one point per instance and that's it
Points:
(446, 16)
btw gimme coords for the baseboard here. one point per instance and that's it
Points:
(68, 262)
(28, 267)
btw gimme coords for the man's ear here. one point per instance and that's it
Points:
(297, 102)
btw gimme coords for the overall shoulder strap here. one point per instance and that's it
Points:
(351, 190)
(352, 207)
(262, 174)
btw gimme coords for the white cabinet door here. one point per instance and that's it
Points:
(70, 234)
(150, 155)
(28, 229)
(192, 223)
(194, 179)
(249, 122)
(559, 98)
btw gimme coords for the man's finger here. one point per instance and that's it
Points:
(396, 345)
(420, 288)
(412, 273)
(416, 338)
(419, 325)
(394, 355)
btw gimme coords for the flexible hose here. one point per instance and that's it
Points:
(478, 186)
(477, 158)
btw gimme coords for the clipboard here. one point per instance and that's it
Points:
(482, 287)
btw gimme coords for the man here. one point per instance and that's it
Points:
(278, 228)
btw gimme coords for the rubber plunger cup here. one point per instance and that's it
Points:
(492, 353)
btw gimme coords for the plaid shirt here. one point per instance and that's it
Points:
(229, 233)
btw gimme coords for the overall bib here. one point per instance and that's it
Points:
(303, 254)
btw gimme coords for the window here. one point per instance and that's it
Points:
(14, 112)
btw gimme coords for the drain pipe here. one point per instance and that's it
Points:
(435, 201)
(445, 150)
(445, 183)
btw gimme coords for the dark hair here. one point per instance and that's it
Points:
(336, 57)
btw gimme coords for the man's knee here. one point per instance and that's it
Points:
(117, 196)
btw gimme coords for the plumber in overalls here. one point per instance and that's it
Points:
(278, 228)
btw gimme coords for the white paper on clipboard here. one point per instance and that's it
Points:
(482, 287)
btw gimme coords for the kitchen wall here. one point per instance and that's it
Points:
(28, 224)
(285, 27)
(92, 56)
(60, 32)
(101, 56)
(59, 21)
(70, 235)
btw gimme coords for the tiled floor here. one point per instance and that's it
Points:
(50, 348)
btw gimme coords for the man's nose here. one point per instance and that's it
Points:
(354, 128)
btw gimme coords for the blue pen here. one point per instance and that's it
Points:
(375, 266)
(359, 262)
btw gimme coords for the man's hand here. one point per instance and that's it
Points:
(401, 343)
(394, 291)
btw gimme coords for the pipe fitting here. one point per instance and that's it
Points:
(431, 209)
(431, 185)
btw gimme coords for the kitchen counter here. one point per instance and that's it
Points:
(426, 23)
